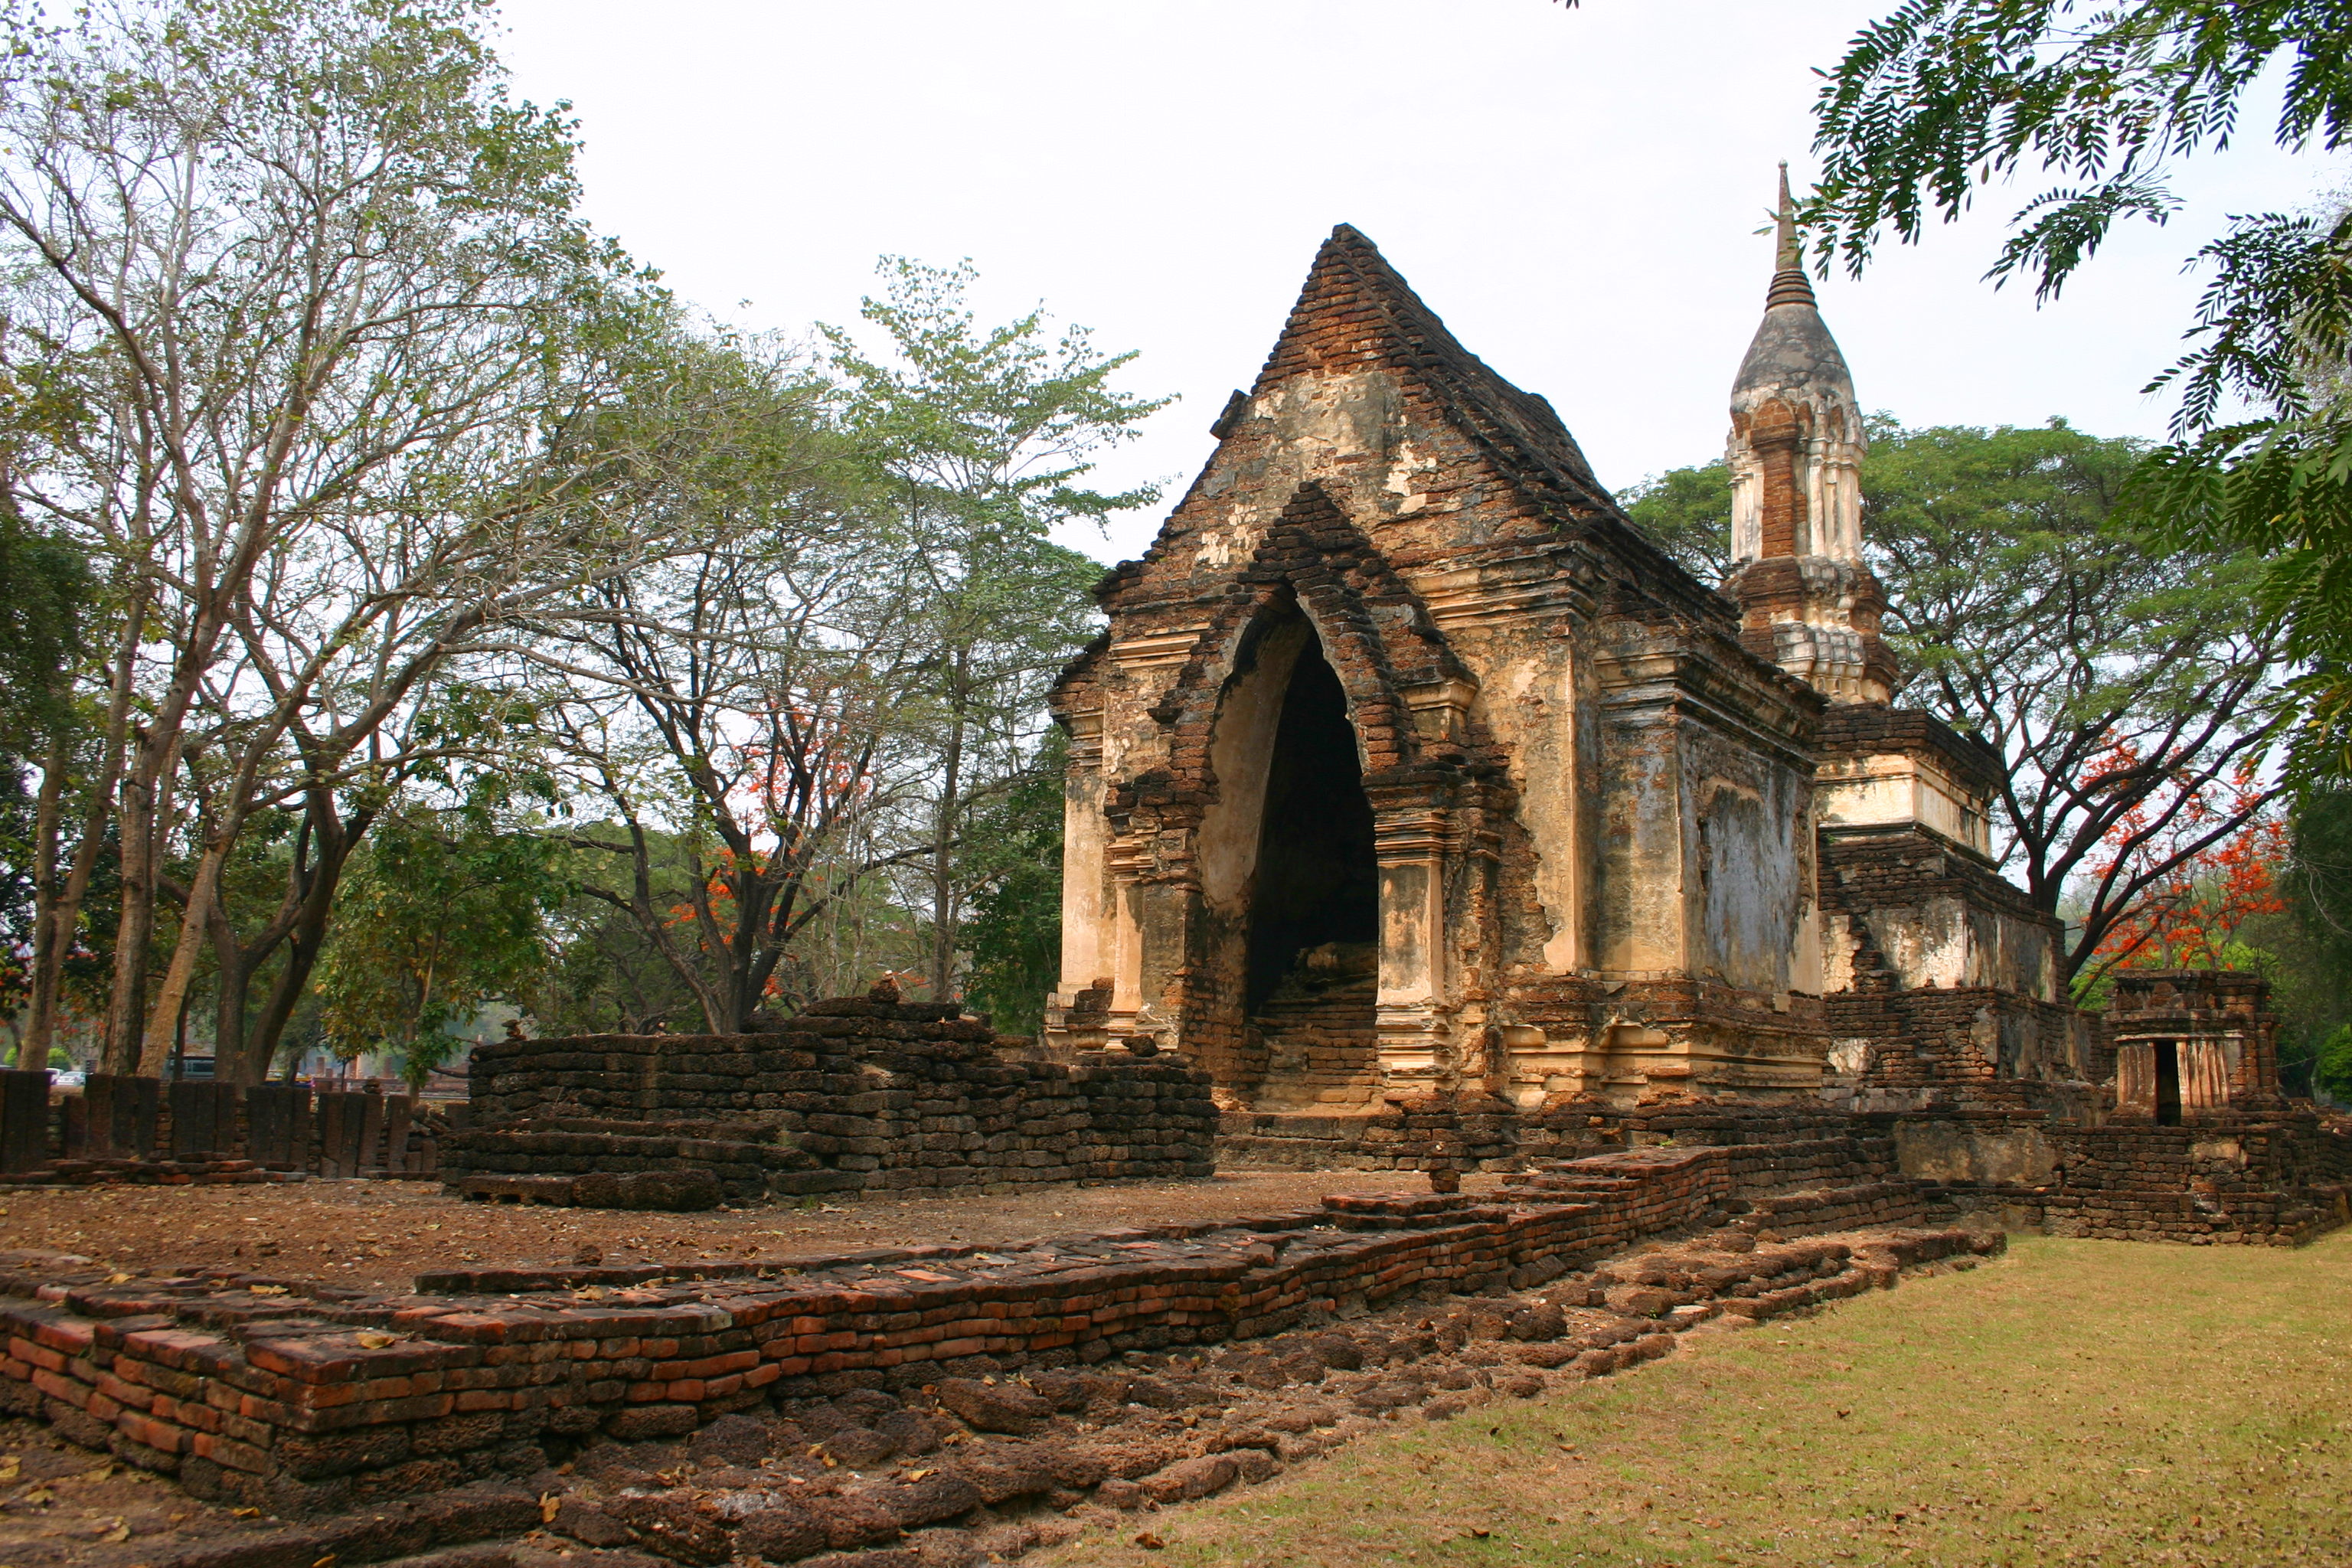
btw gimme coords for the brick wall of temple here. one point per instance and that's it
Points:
(1965, 1046)
(1472, 1131)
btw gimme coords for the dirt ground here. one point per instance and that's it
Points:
(379, 1234)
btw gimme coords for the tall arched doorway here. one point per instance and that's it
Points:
(1313, 945)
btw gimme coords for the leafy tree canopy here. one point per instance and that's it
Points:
(1940, 98)
(44, 591)
(2314, 977)
(986, 435)
(1012, 852)
(442, 915)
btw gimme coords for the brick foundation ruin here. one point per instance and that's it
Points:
(2280, 1176)
(303, 1398)
(853, 1095)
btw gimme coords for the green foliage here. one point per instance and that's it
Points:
(17, 904)
(984, 434)
(2281, 489)
(45, 593)
(996, 422)
(1943, 97)
(1012, 854)
(302, 314)
(440, 915)
(2332, 1068)
(1688, 513)
(2312, 940)
(731, 724)
(605, 974)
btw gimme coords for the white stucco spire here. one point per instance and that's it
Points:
(1795, 454)
(1793, 390)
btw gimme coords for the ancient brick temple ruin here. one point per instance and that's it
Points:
(1420, 799)
(1421, 813)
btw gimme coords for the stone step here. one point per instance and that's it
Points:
(1838, 1208)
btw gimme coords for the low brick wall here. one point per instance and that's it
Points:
(856, 1094)
(1474, 1130)
(123, 1129)
(295, 1397)
(1968, 1047)
(2277, 1183)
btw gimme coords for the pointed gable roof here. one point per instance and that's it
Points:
(1356, 313)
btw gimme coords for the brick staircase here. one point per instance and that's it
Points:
(1321, 1050)
(543, 1159)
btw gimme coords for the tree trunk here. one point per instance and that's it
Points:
(943, 910)
(146, 802)
(61, 921)
(304, 943)
(303, 924)
(234, 967)
(195, 928)
(46, 811)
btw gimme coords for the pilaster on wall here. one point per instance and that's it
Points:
(1086, 874)
(1436, 872)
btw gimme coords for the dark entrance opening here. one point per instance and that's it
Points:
(2167, 1084)
(1317, 882)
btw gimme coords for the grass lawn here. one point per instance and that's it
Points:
(2076, 1401)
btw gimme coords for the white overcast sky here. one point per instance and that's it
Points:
(1576, 192)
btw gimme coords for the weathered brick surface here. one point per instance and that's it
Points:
(1875, 728)
(850, 1094)
(1472, 1131)
(1973, 1047)
(2277, 1180)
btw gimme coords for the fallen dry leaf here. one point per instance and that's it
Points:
(547, 1506)
(115, 1536)
(266, 1290)
(375, 1342)
(1149, 1541)
(117, 1278)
